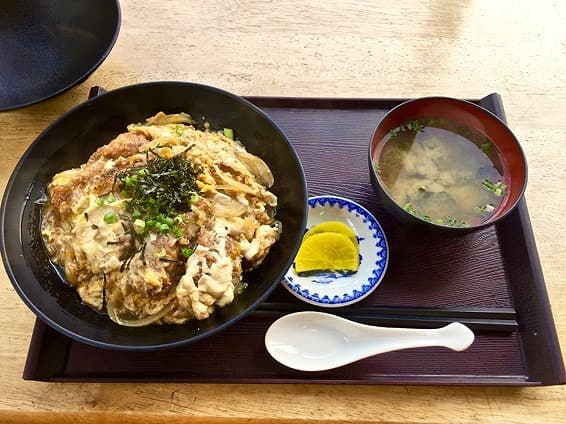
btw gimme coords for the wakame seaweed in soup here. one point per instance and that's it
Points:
(442, 172)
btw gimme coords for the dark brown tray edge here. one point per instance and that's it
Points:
(549, 370)
(551, 338)
(323, 102)
(491, 102)
(434, 380)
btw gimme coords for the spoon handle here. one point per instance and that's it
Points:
(455, 336)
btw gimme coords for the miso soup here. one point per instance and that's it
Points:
(442, 172)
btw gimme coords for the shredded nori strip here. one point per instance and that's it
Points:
(162, 186)
(171, 260)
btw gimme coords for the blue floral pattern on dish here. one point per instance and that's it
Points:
(328, 277)
(335, 289)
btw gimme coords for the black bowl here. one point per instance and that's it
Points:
(71, 139)
(48, 46)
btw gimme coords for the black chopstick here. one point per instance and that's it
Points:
(482, 319)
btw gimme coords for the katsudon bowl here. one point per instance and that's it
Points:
(69, 142)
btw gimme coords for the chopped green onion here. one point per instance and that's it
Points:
(229, 132)
(100, 201)
(484, 208)
(178, 219)
(131, 181)
(486, 148)
(177, 232)
(164, 228)
(454, 222)
(498, 187)
(409, 208)
(179, 129)
(187, 251)
(376, 168)
(165, 220)
(110, 218)
(110, 199)
(139, 223)
(136, 214)
(416, 126)
(194, 198)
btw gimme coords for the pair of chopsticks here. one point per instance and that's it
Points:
(483, 319)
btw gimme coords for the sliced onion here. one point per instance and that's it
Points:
(231, 184)
(257, 167)
(113, 314)
(225, 206)
(279, 226)
(175, 118)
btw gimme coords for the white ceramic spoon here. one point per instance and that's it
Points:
(315, 341)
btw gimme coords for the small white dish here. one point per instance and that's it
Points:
(333, 289)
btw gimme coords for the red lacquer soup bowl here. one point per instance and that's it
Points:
(509, 157)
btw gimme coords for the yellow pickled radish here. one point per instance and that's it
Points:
(333, 227)
(327, 252)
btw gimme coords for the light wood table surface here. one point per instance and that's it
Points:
(460, 48)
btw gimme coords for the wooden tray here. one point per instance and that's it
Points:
(495, 269)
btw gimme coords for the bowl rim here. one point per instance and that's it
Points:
(480, 109)
(9, 267)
